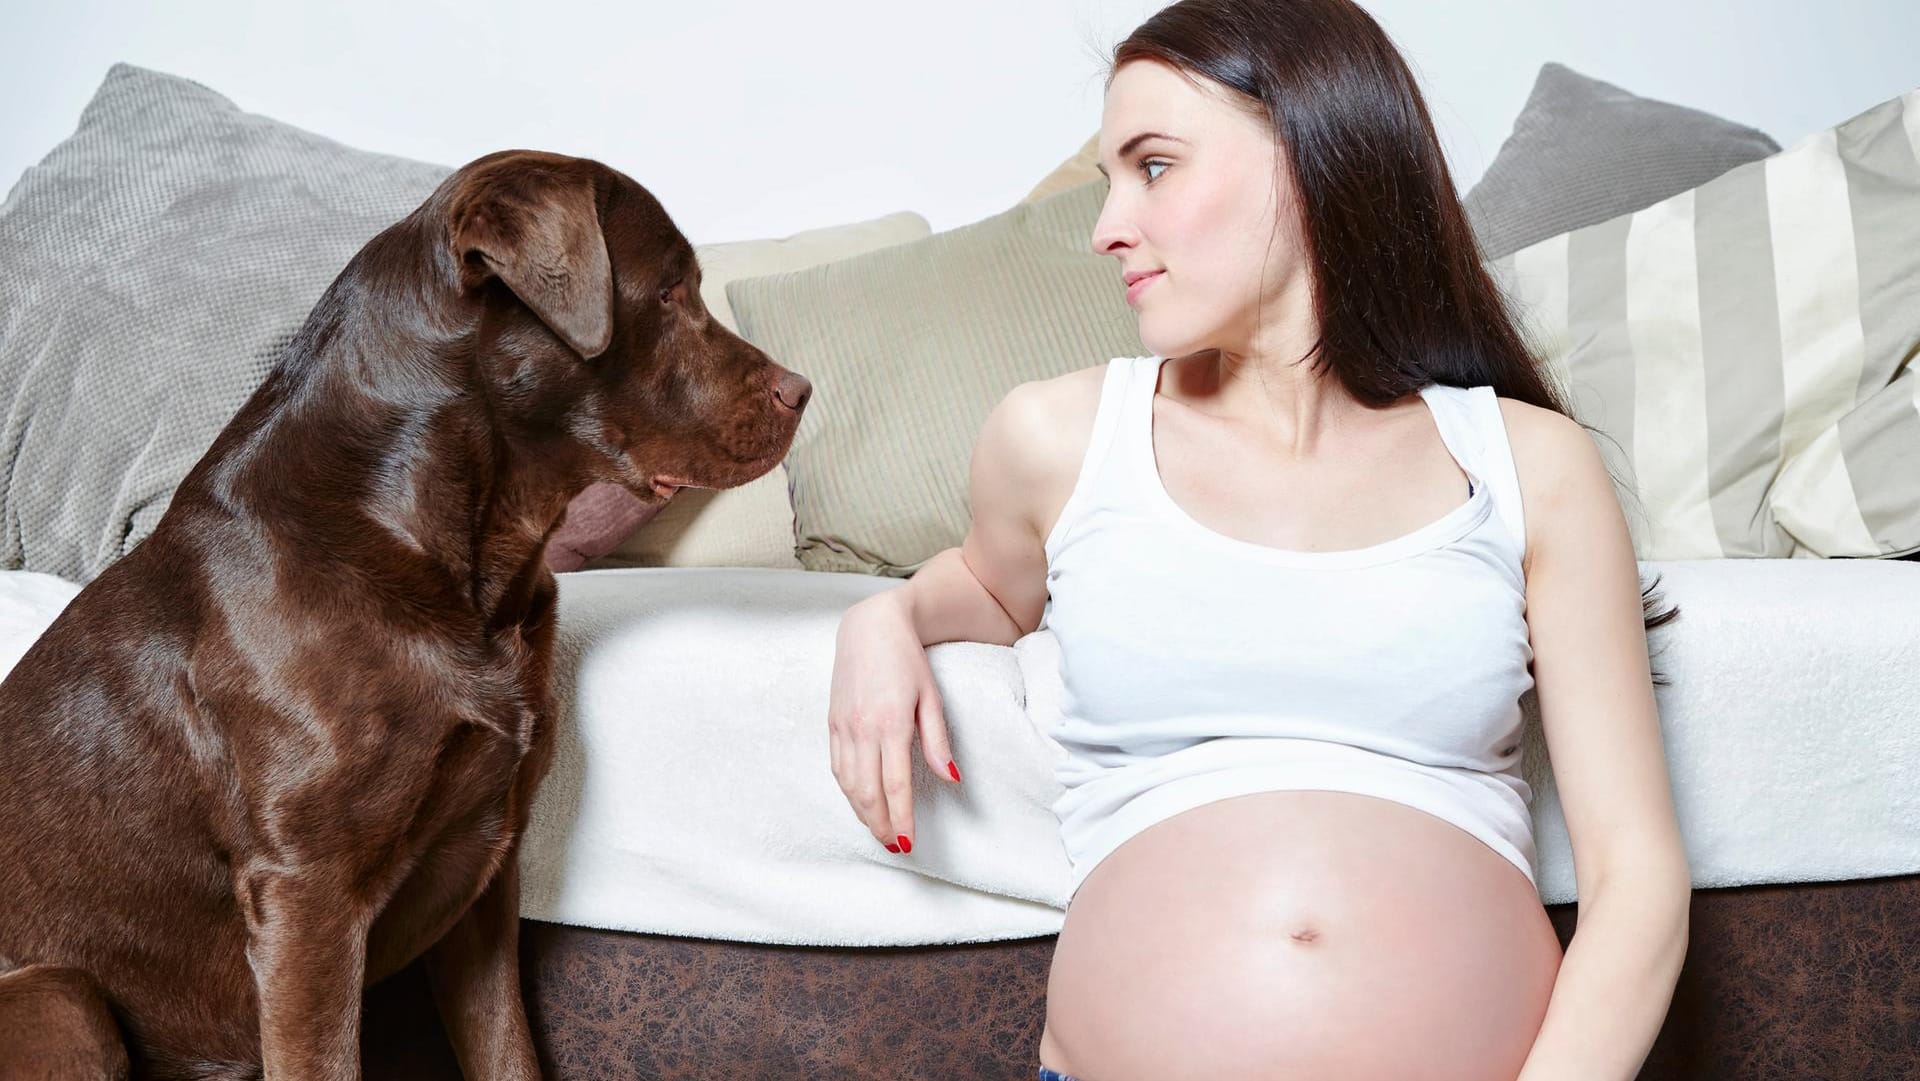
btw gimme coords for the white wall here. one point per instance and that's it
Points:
(756, 118)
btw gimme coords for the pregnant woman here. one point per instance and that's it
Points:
(1301, 563)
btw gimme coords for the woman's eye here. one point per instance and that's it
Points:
(1148, 163)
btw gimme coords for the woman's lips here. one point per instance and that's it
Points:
(1139, 284)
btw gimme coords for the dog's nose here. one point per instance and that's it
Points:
(793, 390)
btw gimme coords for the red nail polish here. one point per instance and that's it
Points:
(893, 848)
(953, 769)
(905, 845)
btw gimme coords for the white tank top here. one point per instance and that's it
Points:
(1197, 667)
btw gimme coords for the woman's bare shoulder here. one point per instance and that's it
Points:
(1546, 443)
(1555, 460)
(1070, 401)
(1046, 425)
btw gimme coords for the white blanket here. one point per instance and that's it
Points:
(691, 793)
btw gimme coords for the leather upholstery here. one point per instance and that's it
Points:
(1808, 980)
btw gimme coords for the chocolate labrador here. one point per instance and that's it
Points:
(288, 743)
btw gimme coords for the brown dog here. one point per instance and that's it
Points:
(288, 743)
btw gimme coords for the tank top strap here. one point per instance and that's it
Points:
(1136, 425)
(1499, 469)
(1475, 431)
(1104, 465)
(1133, 469)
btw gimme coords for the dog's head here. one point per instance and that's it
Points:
(593, 335)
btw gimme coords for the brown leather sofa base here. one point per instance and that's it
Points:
(1802, 981)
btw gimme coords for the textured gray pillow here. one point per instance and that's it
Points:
(1585, 151)
(156, 262)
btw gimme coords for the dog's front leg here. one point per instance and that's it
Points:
(475, 975)
(307, 946)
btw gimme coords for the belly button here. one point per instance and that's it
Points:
(1306, 936)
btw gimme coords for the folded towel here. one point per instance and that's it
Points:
(692, 791)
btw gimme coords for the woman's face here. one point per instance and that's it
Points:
(1197, 203)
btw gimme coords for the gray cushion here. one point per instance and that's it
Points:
(157, 261)
(1584, 151)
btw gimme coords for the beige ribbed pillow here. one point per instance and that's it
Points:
(909, 349)
(1749, 344)
(752, 525)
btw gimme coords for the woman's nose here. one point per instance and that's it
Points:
(1111, 233)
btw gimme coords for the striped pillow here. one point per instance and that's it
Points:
(1746, 348)
(908, 349)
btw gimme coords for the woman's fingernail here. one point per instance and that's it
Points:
(905, 845)
(893, 848)
(953, 769)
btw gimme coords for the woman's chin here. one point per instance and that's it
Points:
(1171, 332)
(1159, 343)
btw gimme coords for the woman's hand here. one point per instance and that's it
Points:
(882, 687)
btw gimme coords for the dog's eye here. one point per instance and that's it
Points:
(667, 294)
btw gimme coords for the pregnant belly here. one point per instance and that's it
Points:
(1321, 935)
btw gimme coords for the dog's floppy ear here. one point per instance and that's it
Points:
(537, 228)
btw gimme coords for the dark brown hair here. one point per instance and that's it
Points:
(1400, 293)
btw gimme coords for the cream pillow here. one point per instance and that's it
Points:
(1075, 171)
(1747, 347)
(752, 525)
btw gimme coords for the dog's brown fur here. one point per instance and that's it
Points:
(288, 743)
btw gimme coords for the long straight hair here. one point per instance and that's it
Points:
(1400, 292)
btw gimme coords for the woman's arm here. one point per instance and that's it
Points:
(1597, 709)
